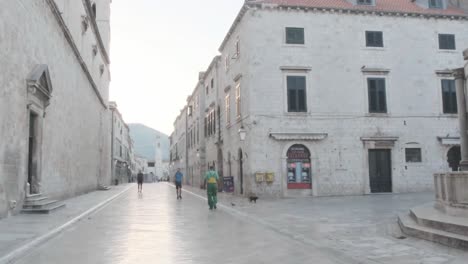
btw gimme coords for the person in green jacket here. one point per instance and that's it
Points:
(211, 179)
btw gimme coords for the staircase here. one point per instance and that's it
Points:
(426, 222)
(40, 204)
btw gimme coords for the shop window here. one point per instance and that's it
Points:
(299, 167)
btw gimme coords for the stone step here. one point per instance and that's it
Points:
(43, 210)
(430, 217)
(39, 204)
(35, 200)
(410, 227)
(36, 195)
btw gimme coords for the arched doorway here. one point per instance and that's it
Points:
(241, 172)
(299, 167)
(454, 158)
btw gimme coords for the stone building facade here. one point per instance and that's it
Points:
(336, 97)
(53, 99)
(121, 147)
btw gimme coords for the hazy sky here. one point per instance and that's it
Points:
(157, 49)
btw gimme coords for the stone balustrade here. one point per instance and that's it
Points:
(452, 193)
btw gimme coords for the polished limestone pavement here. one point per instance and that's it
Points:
(155, 227)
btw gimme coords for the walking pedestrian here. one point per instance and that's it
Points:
(211, 179)
(178, 183)
(140, 181)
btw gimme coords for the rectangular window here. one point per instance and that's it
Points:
(226, 62)
(206, 126)
(190, 110)
(374, 39)
(449, 97)
(365, 2)
(297, 98)
(294, 35)
(436, 4)
(238, 101)
(207, 89)
(377, 95)
(212, 83)
(237, 49)
(214, 122)
(228, 109)
(447, 42)
(413, 155)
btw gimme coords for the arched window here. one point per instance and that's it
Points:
(454, 158)
(299, 167)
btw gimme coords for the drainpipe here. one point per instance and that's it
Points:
(459, 75)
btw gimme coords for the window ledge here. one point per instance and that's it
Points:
(448, 51)
(294, 45)
(450, 115)
(377, 115)
(297, 113)
(375, 48)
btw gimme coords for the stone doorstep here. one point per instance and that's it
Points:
(410, 227)
(38, 204)
(35, 199)
(44, 209)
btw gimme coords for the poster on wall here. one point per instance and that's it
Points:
(228, 184)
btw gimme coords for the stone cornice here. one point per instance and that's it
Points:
(68, 36)
(356, 11)
(95, 28)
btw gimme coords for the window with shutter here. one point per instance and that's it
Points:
(449, 97)
(436, 4)
(374, 39)
(365, 2)
(294, 35)
(238, 101)
(297, 98)
(447, 42)
(377, 95)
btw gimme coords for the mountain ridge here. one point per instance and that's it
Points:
(145, 140)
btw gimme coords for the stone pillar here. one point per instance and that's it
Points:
(462, 116)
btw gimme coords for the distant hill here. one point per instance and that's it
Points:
(145, 141)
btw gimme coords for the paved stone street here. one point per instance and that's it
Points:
(156, 228)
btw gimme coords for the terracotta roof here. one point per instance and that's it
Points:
(404, 6)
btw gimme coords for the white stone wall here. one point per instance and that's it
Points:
(75, 141)
(332, 60)
(337, 103)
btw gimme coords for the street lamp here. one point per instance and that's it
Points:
(242, 133)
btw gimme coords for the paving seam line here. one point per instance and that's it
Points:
(18, 253)
(298, 238)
